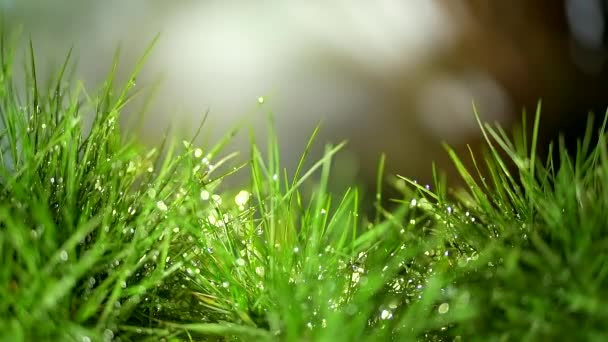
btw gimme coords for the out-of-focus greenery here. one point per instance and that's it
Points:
(101, 239)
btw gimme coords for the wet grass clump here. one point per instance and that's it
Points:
(104, 240)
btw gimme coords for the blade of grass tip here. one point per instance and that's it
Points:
(474, 160)
(420, 188)
(355, 225)
(379, 183)
(506, 140)
(328, 155)
(226, 138)
(440, 183)
(484, 132)
(223, 161)
(534, 146)
(524, 129)
(199, 129)
(521, 164)
(322, 202)
(601, 138)
(462, 170)
(132, 78)
(35, 99)
(273, 151)
(58, 95)
(586, 142)
(102, 108)
(303, 158)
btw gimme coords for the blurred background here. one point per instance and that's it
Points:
(389, 76)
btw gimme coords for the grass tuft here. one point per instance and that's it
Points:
(102, 239)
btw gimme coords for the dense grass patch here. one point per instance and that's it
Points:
(102, 239)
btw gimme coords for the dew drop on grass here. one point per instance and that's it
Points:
(242, 198)
(386, 314)
(123, 284)
(63, 255)
(261, 99)
(323, 211)
(152, 193)
(225, 284)
(275, 177)
(198, 153)
(161, 206)
(217, 199)
(444, 308)
(108, 335)
(413, 203)
(205, 195)
(240, 262)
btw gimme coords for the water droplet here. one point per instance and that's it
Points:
(198, 153)
(225, 284)
(261, 99)
(217, 199)
(413, 203)
(449, 210)
(275, 177)
(152, 193)
(205, 195)
(386, 314)
(63, 255)
(52, 180)
(323, 212)
(242, 198)
(176, 230)
(444, 308)
(161, 206)
(108, 335)
(123, 284)
(240, 262)
(43, 126)
(296, 249)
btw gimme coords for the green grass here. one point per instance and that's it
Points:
(102, 239)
